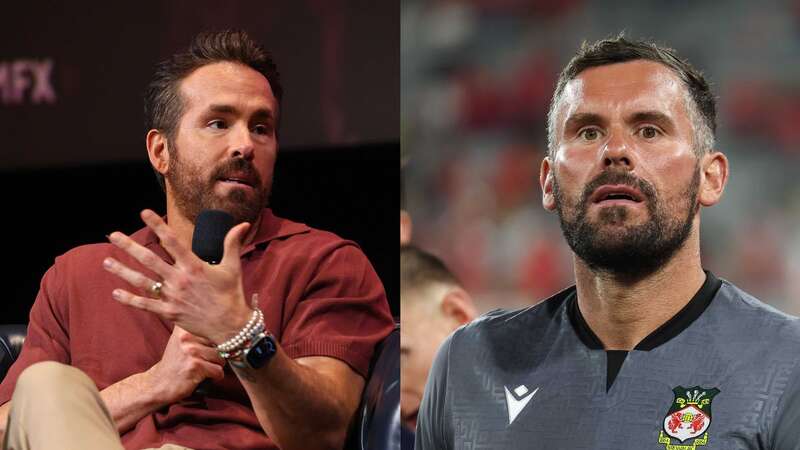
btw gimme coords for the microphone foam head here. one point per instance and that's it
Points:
(208, 240)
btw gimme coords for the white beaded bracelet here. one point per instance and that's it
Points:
(259, 330)
(245, 335)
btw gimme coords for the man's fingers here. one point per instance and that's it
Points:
(189, 337)
(212, 370)
(143, 303)
(207, 353)
(233, 243)
(133, 277)
(140, 253)
(166, 236)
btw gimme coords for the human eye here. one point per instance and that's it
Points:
(263, 129)
(217, 124)
(589, 134)
(649, 132)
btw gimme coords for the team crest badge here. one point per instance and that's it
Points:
(688, 419)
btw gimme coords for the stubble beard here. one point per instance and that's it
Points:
(626, 251)
(193, 192)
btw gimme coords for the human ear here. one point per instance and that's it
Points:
(713, 178)
(546, 181)
(457, 305)
(158, 151)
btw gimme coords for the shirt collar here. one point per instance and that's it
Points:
(272, 227)
(668, 330)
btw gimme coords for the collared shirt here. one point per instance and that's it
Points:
(319, 294)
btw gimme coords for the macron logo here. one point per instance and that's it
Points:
(517, 400)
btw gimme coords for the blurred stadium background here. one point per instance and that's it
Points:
(476, 81)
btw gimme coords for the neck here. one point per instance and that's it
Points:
(184, 228)
(622, 312)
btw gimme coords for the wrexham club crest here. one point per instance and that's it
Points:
(688, 419)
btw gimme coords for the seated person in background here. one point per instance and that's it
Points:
(432, 305)
(122, 334)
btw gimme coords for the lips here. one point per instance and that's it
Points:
(238, 179)
(616, 192)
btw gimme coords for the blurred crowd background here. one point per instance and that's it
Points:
(476, 81)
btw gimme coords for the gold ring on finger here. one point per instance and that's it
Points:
(155, 289)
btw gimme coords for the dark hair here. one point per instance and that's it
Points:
(619, 49)
(419, 269)
(163, 105)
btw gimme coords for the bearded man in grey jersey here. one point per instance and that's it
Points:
(647, 350)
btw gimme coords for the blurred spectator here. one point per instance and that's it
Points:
(432, 305)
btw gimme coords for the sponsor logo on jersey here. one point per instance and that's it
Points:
(688, 418)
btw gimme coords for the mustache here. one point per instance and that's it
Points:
(237, 166)
(622, 178)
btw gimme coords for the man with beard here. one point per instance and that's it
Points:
(647, 350)
(283, 328)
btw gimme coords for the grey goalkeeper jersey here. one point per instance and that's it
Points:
(722, 374)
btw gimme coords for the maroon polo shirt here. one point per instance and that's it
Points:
(319, 294)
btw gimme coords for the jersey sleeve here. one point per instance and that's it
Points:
(47, 338)
(786, 433)
(432, 429)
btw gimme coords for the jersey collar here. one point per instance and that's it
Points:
(668, 330)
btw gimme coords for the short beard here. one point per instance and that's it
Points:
(637, 251)
(194, 194)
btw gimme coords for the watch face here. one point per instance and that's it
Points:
(261, 352)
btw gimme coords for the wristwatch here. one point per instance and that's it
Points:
(257, 354)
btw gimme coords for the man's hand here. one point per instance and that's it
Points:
(205, 300)
(186, 362)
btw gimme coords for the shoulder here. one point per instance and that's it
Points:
(747, 333)
(86, 261)
(743, 311)
(85, 257)
(519, 328)
(294, 237)
(302, 255)
(759, 342)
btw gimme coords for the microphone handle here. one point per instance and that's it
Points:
(203, 389)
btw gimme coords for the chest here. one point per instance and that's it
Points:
(110, 341)
(657, 401)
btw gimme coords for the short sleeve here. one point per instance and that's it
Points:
(47, 338)
(343, 312)
(431, 425)
(786, 434)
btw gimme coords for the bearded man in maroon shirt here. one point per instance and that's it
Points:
(121, 334)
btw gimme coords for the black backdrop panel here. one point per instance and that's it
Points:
(72, 73)
(352, 191)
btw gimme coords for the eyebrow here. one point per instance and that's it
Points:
(579, 120)
(261, 113)
(656, 117)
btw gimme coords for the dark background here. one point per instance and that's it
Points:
(74, 170)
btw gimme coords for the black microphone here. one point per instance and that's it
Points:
(208, 243)
(210, 228)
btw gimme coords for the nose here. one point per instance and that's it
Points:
(242, 145)
(617, 152)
